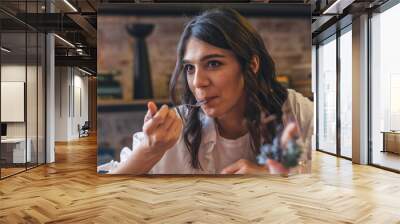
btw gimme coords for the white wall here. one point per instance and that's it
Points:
(71, 94)
(61, 103)
(13, 73)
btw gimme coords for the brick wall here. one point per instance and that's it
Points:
(288, 41)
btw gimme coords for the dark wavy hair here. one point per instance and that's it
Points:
(227, 29)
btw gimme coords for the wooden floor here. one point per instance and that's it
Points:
(10, 171)
(70, 191)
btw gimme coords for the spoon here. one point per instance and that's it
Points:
(198, 104)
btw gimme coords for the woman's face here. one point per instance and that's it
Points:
(214, 74)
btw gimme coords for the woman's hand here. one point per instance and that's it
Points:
(290, 132)
(244, 166)
(162, 128)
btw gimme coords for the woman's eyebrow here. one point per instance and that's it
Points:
(184, 61)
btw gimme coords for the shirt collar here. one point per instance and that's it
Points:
(209, 132)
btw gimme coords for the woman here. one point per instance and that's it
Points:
(224, 63)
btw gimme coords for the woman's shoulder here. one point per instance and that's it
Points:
(293, 95)
(301, 107)
(298, 102)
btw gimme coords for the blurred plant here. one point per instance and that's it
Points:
(288, 155)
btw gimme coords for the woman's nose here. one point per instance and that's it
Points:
(200, 79)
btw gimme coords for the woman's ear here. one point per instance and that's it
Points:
(255, 64)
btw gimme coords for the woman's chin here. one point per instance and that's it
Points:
(211, 112)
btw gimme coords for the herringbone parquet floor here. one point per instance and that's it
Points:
(70, 191)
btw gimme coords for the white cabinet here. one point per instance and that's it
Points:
(18, 149)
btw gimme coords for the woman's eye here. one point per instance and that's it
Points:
(214, 64)
(188, 69)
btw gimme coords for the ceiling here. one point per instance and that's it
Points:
(76, 22)
(73, 20)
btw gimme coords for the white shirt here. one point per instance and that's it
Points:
(228, 150)
(216, 152)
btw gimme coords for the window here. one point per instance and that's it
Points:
(346, 92)
(326, 95)
(385, 88)
(22, 77)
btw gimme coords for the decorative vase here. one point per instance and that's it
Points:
(141, 66)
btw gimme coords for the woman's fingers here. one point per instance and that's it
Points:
(151, 125)
(290, 132)
(275, 167)
(241, 170)
(169, 120)
(244, 166)
(233, 168)
(161, 114)
(175, 125)
(151, 111)
(165, 125)
(174, 130)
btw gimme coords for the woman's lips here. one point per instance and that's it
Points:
(209, 99)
